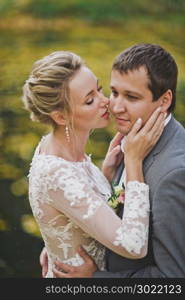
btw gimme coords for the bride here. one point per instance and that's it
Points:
(68, 194)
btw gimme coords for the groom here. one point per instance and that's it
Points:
(143, 78)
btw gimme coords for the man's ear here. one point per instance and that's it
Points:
(58, 117)
(166, 100)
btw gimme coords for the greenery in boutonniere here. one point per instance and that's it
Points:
(117, 197)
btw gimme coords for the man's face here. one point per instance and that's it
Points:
(131, 98)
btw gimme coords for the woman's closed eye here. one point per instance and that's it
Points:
(91, 100)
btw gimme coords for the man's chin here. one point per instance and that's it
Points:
(123, 129)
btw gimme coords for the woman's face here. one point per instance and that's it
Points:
(89, 105)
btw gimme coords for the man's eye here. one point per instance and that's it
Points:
(132, 97)
(114, 93)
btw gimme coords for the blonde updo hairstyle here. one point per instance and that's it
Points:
(47, 88)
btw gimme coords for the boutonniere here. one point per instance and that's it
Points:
(117, 197)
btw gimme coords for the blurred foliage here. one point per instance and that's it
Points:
(101, 10)
(94, 10)
(96, 30)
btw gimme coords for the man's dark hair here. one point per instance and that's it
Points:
(160, 66)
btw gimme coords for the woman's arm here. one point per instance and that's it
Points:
(74, 196)
(81, 204)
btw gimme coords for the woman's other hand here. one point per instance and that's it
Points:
(113, 157)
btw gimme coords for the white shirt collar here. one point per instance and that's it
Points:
(167, 119)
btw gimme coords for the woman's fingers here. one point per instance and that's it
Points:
(151, 121)
(113, 156)
(115, 150)
(157, 126)
(157, 134)
(116, 140)
(136, 127)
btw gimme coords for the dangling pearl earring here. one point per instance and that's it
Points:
(67, 134)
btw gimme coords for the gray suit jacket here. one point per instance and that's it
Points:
(164, 171)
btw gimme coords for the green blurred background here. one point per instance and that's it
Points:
(96, 30)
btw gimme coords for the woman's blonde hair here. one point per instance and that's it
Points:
(47, 88)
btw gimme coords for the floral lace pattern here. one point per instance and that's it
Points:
(68, 200)
(134, 210)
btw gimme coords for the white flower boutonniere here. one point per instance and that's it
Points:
(117, 197)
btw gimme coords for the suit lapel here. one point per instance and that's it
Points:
(118, 174)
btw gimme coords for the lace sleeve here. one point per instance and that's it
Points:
(72, 195)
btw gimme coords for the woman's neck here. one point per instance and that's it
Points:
(73, 150)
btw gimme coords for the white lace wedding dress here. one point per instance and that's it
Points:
(68, 200)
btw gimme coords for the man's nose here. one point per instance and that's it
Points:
(118, 105)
